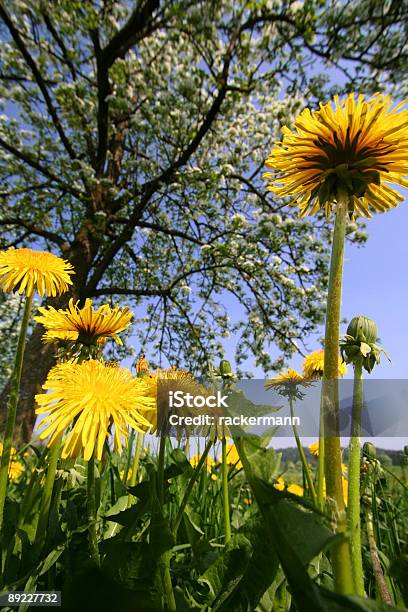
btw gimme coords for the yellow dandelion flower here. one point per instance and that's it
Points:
(142, 365)
(209, 462)
(194, 459)
(29, 271)
(355, 145)
(13, 452)
(164, 380)
(284, 378)
(171, 373)
(16, 469)
(313, 365)
(344, 482)
(233, 457)
(54, 336)
(295, 489)
(92, 397)
(279, 484)
(287, 383)
(314, 448)
(85, 325)
(129, 474)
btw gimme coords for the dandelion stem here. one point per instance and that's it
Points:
(160, 469)
(306, 469)
(47, 493)
(136, 459)
(320, 463)
(12, 405)
(353, 507)
(375, 559)
(225, 496)
(340, 554)
(91, 507)
(129, 456)
(166, 577)
(164, 561)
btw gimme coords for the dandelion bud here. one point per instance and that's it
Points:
(359, 344)
(141, 365)
(369, 450)
(225, 368)
(362, 328)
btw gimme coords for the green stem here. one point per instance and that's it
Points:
(225, 496)
(306, 469)
(160, 470)
(47, 493)
(107, 453)
(136, 459)
(12, 405)
(135, 467)
(190, 486)
(91, 507)
(353, 507)
(320, 463)
(166, 577)
(375, 560)
(340, 555)
(129, 456)
(164, 561)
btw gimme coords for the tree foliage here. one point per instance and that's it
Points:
(133, 137)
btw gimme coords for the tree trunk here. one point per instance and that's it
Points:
(38, 360)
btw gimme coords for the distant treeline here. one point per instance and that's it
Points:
(390, 457)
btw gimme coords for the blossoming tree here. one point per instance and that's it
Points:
(133, 138)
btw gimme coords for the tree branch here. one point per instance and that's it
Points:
(150, 187)
(102, 73)
(60, 42)
(39, 79)
(33, 163)
(35, 229)
(165, 230)
(135, 28)
(126, 291)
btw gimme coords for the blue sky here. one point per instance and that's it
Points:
(375, 283)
